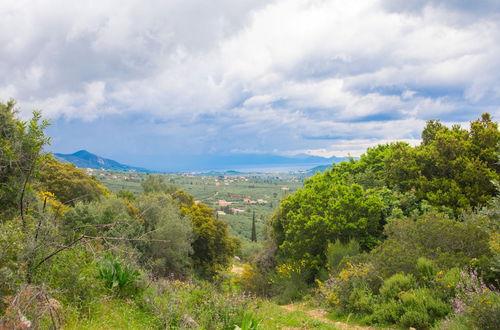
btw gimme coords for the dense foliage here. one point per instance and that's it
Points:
(64, 239)
(452, 171)
(390, 236)
(68, 183)
(21, 144)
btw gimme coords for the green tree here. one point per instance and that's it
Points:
(435, 236)
(254, 230)
(21, 145)
(157, 184)
(69, 183)
(325, 210)
(170, 235)
(452, 168)
(213, 247)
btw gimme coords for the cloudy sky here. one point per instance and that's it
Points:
(145, 82)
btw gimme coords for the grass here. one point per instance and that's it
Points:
(114, 314)
(274, 316)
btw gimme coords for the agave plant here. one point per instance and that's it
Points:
(117, 276)
(248, 322)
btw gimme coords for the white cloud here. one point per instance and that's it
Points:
(350, 148)
(267, 75)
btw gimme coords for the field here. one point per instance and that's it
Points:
(236, 198)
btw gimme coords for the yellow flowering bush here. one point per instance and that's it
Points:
(288, 270)
(52, 205)
(351, 288)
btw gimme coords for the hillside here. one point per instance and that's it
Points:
(85, 159)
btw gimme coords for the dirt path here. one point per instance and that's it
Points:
(319, 314)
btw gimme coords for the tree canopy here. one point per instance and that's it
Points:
(21, 146)
(453, 170)
(69, 183)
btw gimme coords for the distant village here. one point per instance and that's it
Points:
(221, 197)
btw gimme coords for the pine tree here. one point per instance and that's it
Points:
(254, 230)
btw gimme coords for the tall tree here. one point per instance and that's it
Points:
(254, 230)
(21, 145)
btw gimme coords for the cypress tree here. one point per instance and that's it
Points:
(254, 230)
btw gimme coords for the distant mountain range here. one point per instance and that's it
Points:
(85, 159)
(208, 164)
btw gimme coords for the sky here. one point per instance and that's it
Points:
(150, 82)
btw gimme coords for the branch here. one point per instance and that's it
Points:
(94, 237)
(127, 239)
(59, 250)
(24, 189)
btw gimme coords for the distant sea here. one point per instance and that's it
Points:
(278, 168)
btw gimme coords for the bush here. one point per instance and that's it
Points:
(418, 308)
(397, 284)
(335, 252)
(249, 250)
(361, 300)
(445, 242)
(171, 234)
(69, 183)
(12, 245)
(71, 274)
(254, 281)
(445, 282)
(414, 319)
(290, 281)
(426, 269)
(355, 281)
(477, 303)
(483, 311)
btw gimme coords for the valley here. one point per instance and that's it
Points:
(234, 197)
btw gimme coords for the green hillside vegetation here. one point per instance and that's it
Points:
(402, 237)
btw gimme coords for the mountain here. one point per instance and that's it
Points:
(245, 163)
(320, 168)
(85, 159)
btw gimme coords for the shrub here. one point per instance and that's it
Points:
(414, 319)
(290, 280)
(254, 281)
(388, 312)
(483, 311)
(12, 244)
(361, 300)
(69, 183)
(397, 284)
(171, 234)
(426, 269)
(446, 242)
(213, 246)
(335, 252)
(476, 302)
(356, 280)
(249, 250)
(71, 274)
(425, 301)
(418, 308)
